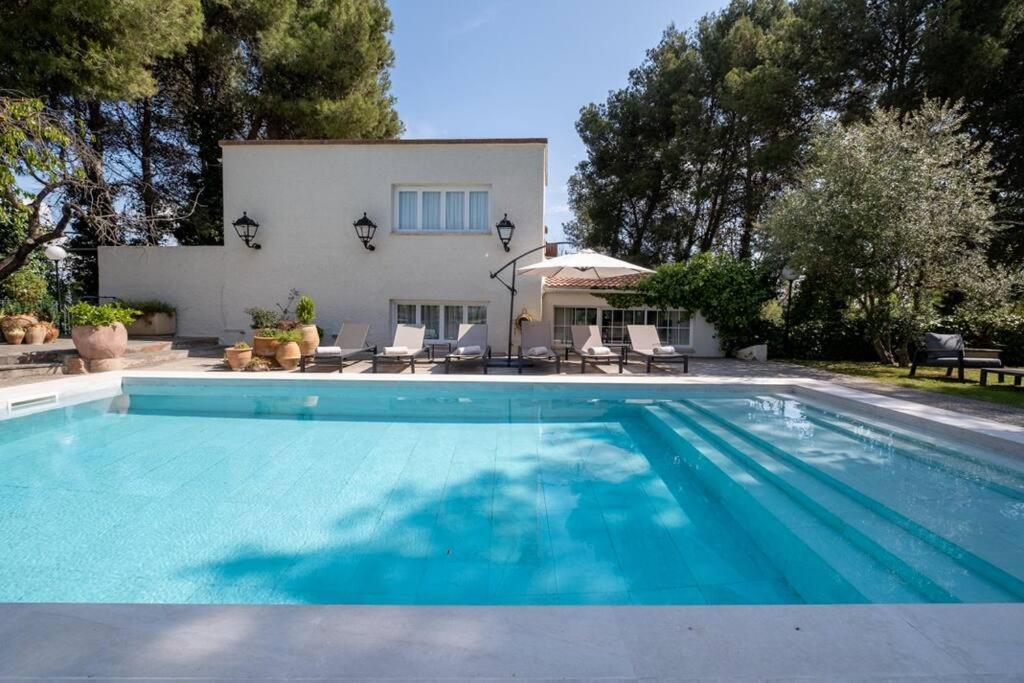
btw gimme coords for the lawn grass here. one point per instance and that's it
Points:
(928, 379)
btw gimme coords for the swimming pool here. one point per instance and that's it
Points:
(478, 493)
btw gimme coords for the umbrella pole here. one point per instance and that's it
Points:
(512, 292)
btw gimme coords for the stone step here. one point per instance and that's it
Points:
(19, 355)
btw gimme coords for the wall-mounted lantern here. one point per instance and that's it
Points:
(365, 230)
(505, 229)
(246, 229)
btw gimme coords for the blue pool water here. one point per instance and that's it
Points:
(492, 494)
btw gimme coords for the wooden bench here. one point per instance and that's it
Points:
(1000, 373)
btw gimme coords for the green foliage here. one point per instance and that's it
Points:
(284, 336)
(729, 292)
(91, 49)
(263, 318)
(25, 291)
(148, 307)
(266, 332)
(85, 314)
(305, 310)
(889, 214)
(241, 346)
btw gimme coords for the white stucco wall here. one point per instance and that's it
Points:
(305, 197)
(703, 341)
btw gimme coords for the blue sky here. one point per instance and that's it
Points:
(522, 68)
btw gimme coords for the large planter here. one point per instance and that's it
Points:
(99, 343)
(310, 339)
(154, 325)
(237, 358)
(14, 335)
(288, 355)
(264, 346)
(36, 334)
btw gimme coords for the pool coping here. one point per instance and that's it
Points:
(810, 642)
(784, 642)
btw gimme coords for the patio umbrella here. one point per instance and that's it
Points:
(585, 264)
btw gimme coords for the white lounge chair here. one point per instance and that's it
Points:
(538, 344)
(645, 342)
(351, 341)
(407, 345)
(470, 347)
(586, 343)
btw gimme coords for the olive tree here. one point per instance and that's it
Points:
(894, 212)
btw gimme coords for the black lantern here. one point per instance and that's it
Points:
(246, 229)
(505, 229)
(365, 230)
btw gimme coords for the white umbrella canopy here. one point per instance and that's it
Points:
(585, 264)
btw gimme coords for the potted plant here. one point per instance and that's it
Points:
(305, 314)
(36, 333)
(264, 322)
(18, 321)
(158, 318)
(99, 333)
(14, 334)
(52, 332)
(238, 356)
(288, 352)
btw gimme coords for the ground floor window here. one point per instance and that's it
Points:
(673, 325)
(441, 319)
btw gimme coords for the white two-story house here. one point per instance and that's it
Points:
(435, 204)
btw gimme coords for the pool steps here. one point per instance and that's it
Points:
(810, 554)
(935, 566)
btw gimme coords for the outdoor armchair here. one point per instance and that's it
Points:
(948, 351)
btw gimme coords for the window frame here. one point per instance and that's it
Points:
(443, 307)
(444, 190)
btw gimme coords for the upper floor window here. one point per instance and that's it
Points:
(442, 209)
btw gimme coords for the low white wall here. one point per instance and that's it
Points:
(703, 340)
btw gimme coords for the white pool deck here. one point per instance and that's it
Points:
(732, 643)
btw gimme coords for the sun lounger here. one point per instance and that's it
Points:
(470, 347)
(538, 345)
(586, 343)
(407, 345)
(645, 342)
(350, 342)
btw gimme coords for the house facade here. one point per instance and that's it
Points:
(435, 204)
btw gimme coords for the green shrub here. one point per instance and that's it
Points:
(150, 306)
(84, 314)
(24, 291)
(241, 346)
(284, 336)
(305, 310)
(263, 318)
(266, 332)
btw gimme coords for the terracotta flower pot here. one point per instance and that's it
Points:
(238, 358)
(14, 335)
(98, 343)
(310, 339)
(52, 332)
(36, 334)
(154, 325)
(288, 355)
(264, 346)
(23, 321)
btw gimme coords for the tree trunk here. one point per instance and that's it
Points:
(146, 159)
(883, 352)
